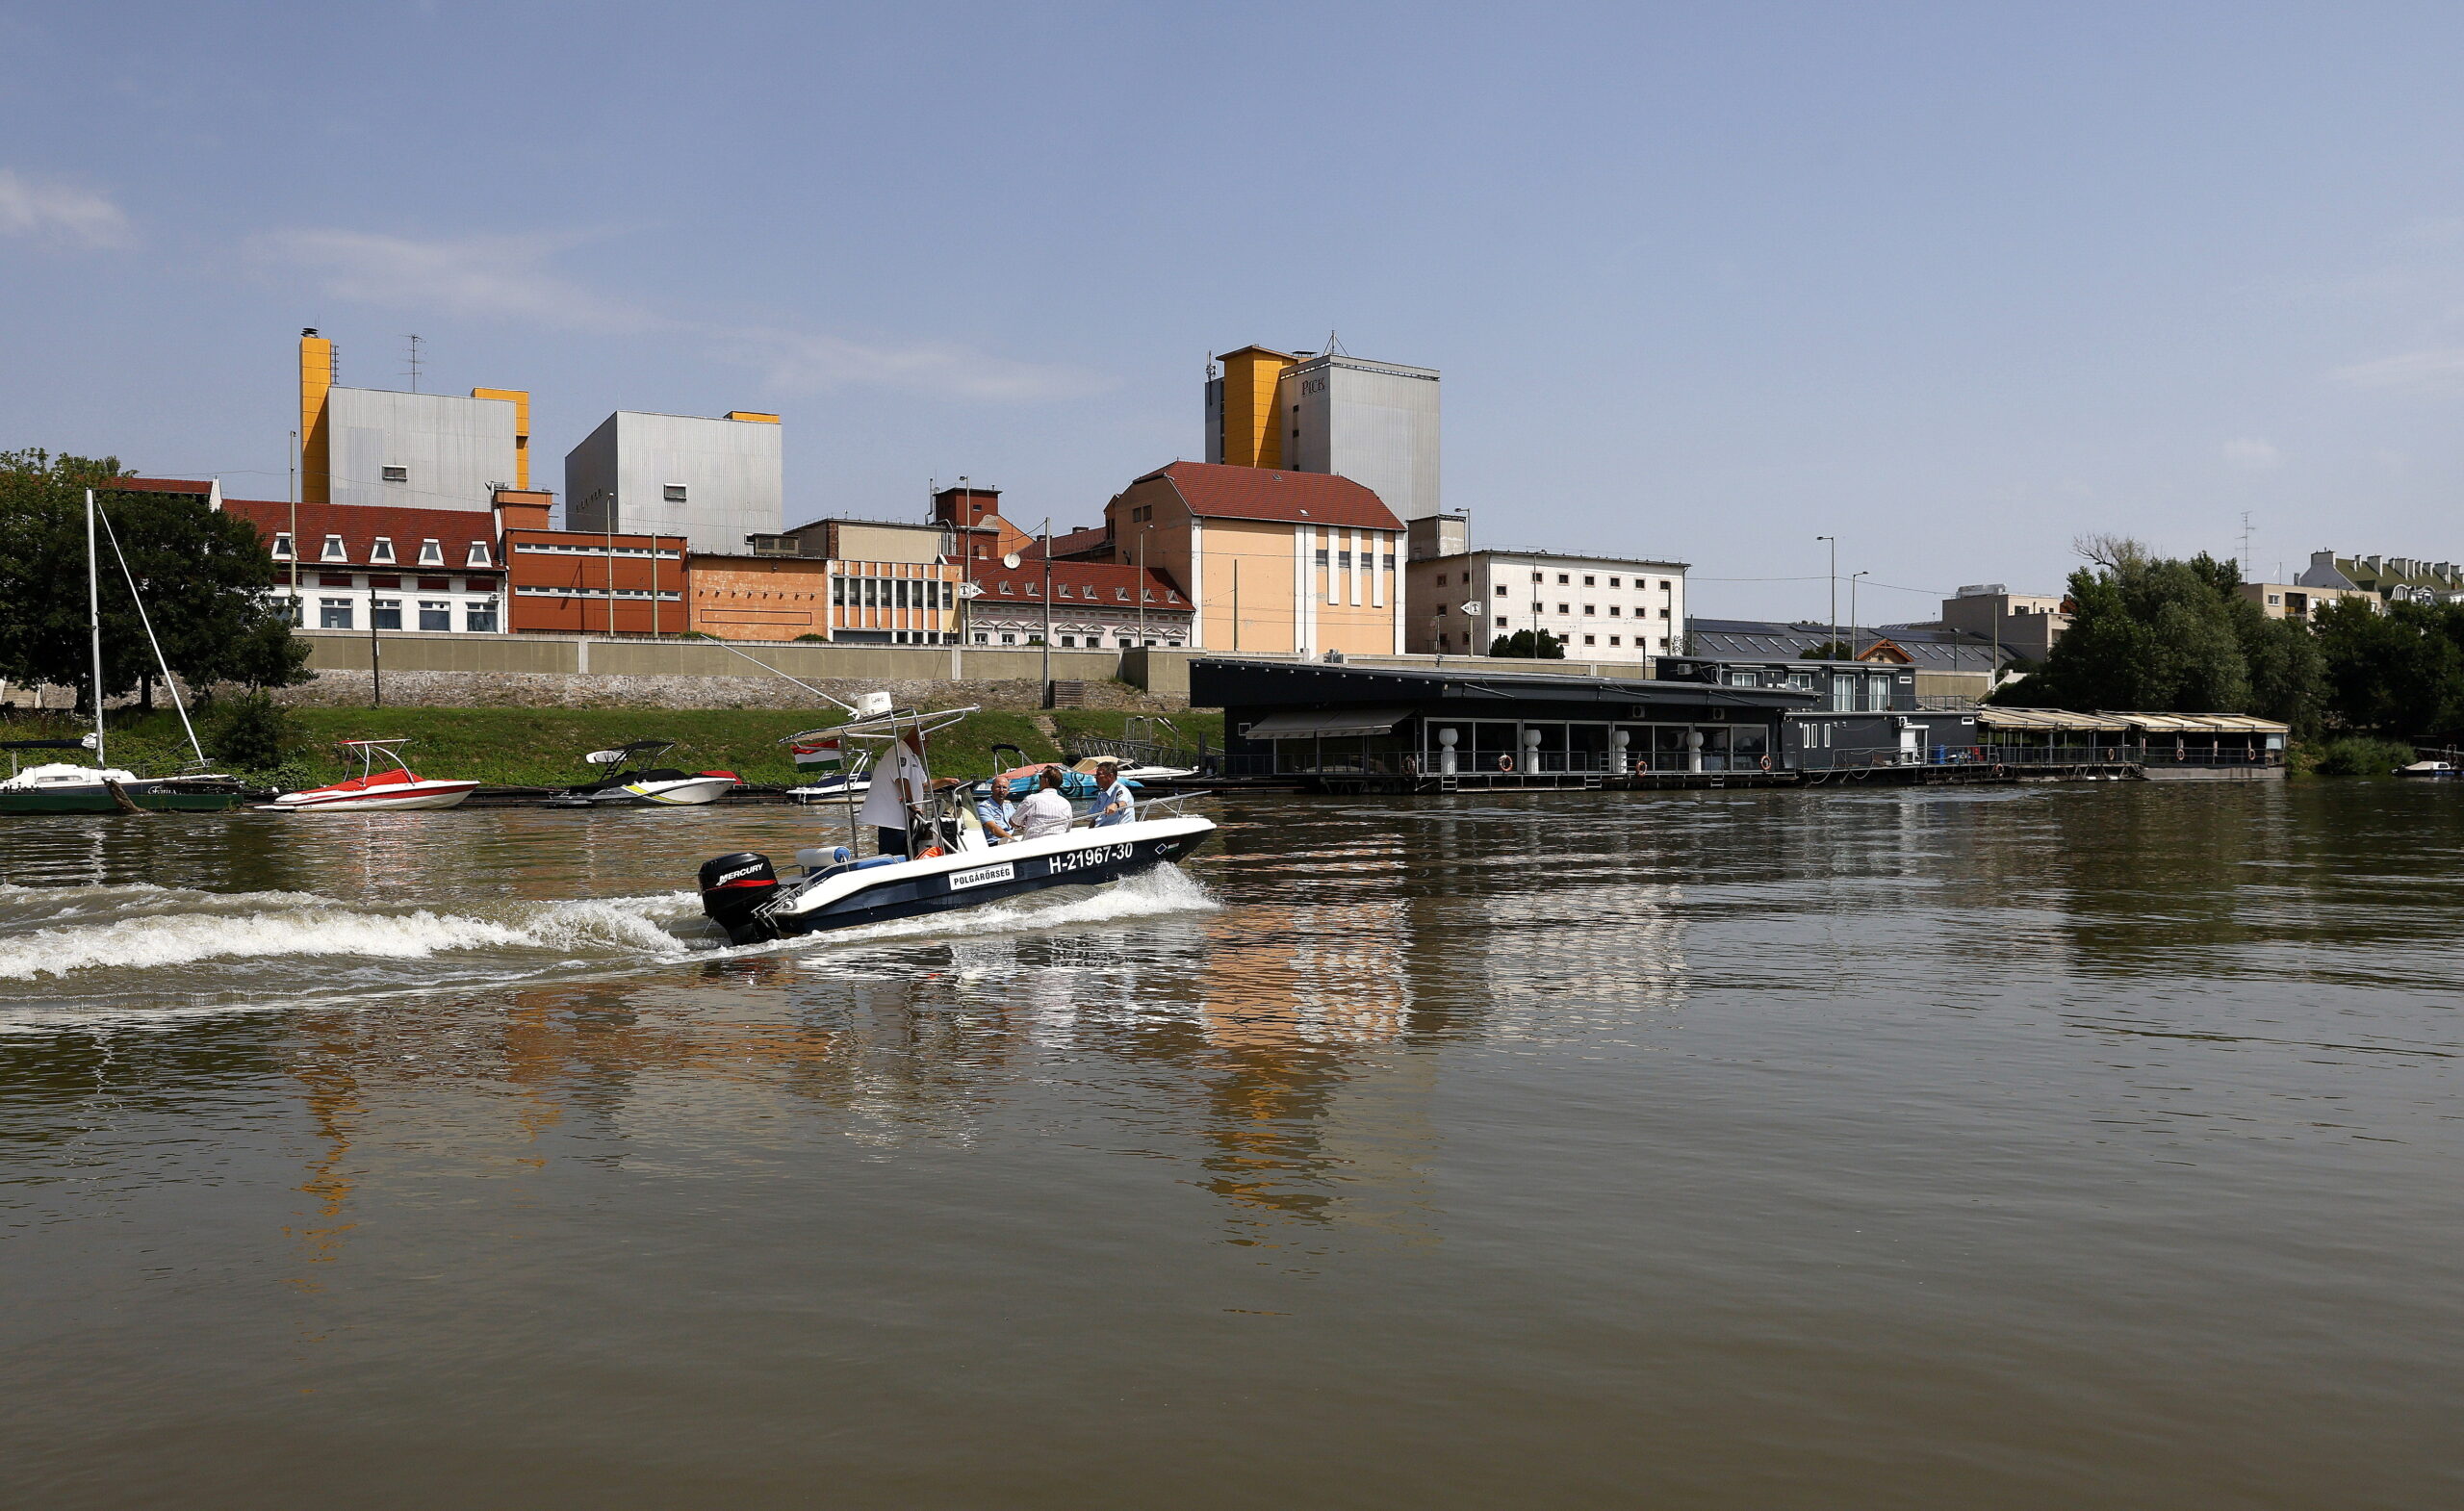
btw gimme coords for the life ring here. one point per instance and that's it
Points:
(1766, 764)
(1997, 768)
(1505, 764)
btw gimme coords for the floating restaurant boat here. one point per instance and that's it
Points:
(653, 787)
(373, 789)
(949, 863)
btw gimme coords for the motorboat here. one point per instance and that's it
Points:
(394, 789)
(841, 787)
(70, 787)
(67, 787)
(1077, 782)
(637, 782)
(2431, 769)
(948, 862)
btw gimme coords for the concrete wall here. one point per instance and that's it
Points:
(456, 450)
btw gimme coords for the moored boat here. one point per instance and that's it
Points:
(2431, 769)
(645, 785)
(373, 790)
(63, 787)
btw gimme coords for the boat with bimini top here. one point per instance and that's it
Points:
(645, 785)
(936, 855)
(394, 789)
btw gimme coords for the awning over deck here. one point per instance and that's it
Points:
(1338, 723)
(2046, 719)
(2199, 723)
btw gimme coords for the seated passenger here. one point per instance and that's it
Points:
(1047, 812)
(1114, 804)
(999, 814)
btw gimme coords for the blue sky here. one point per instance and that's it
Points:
(1956, 283)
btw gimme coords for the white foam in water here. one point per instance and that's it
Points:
(323, 928)
(1165, 889)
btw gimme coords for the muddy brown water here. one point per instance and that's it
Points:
(2094, 1145)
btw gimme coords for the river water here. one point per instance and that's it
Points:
(2090, 1146)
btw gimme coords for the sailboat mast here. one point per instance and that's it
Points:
(94, 624)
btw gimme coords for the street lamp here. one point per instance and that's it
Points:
(1854, 634)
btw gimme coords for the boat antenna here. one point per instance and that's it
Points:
(775, 672)
(169, 683)
(94, 624)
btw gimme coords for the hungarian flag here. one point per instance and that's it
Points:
(819, 750)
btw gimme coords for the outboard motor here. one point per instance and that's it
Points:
(733, 886)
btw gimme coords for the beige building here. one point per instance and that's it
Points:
(2291, 600)
(2026, 623)
(1270, 560)
(852, 602)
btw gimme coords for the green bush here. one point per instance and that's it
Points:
(2357, 755)
(253, 731)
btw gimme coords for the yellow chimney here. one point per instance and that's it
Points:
(316, 436)
(520, 401)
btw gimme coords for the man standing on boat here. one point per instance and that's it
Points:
(1000, 816)
(1047, 812)
(1114, 804)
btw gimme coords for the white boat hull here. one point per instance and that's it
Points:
(420, 795)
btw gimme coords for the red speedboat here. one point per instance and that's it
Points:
(397, 788)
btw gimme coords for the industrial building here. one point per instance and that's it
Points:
(2026, 623)
(715, 482)
(1601, 608)
(380, 447)
(1374, 422)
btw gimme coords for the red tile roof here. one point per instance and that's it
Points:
(1075, 543)
(1216, 492)
(454, 531)
(1079, 582)
(197, 486)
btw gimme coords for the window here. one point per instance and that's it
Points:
(1565, 608)
(333, 613)
(1503, 622)
(1744, 679)
(383, 551)
(1615, 582)
(333, 549)
(431, 554)
(1588, 609)
(983, 639)
(2272, 597)
(1322, 557)
(1537, 578)
(480, 619)
(478, 556)
(282, 546)
(1121, 594)
(1008, 640)
(396, 474)
(1616, 640)
(1588, 583)
(1441, 582)
(1390, 564)
(1500, 592)
(1614, 611)
(435, 614)
(673, 493)
(1663, 613)
(1802, 681)
(1590, 640)
(1663, 587)
(1561, 579)
(386, 613)
(1069, 640)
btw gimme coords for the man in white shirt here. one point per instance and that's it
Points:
(1114, 804)
(1047, 812)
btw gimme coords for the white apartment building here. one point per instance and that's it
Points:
(1601, 608)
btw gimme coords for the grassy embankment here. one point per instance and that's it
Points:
(544, 747)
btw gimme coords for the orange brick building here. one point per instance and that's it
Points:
(574, 582)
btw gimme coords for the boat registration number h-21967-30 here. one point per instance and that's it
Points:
(1095, 856)
(981, 876)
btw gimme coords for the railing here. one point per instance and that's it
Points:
(1146, 751)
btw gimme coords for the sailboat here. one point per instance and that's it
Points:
(67, 787)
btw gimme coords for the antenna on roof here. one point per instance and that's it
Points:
(414, 364)
(1335, 346)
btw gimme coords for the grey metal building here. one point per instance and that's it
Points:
(418, 450)
(715, 482)
(1374, 422)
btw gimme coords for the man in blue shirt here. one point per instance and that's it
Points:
(1112, 803)
(999, 814)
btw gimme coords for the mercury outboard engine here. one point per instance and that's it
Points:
(733, 886)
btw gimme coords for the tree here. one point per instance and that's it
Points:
(1829, 651)
(2161, 635)
(2397, 673)
(1536, 644)
(206, 579)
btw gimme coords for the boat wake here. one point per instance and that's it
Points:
(139, 950)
